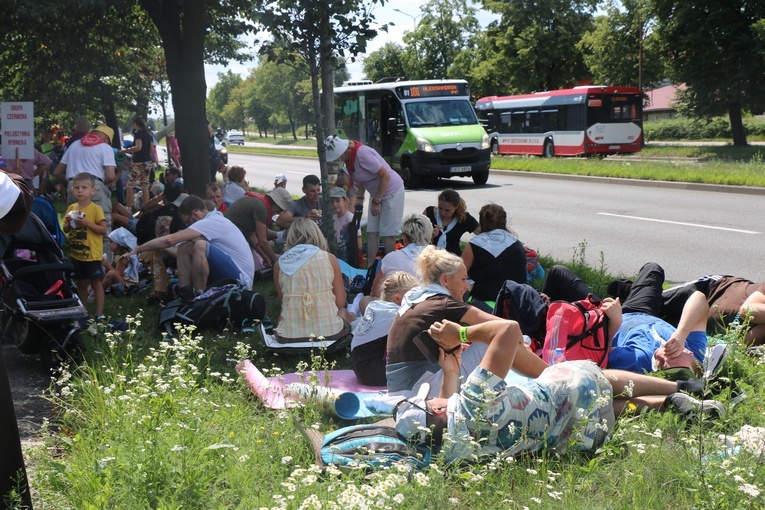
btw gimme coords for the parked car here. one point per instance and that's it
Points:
(222, 151)
(235, 136)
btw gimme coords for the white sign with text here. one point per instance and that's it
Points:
(17, 123)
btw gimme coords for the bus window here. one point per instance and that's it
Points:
(347, 116)
(440, 113)
(549, 120)
(519, 122)
(532, 121)
(575, 118)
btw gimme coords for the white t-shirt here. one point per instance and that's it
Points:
(232, 192)
(92, 159)
(218, 230)
(401, 260)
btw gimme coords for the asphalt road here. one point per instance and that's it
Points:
(689, 232)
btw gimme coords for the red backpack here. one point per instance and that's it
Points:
(579, 328)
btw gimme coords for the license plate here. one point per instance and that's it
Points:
(614, 147)
(459, 169)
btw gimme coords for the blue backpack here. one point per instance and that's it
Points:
(373, 444)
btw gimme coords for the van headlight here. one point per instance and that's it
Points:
(424, 145)
(485, 141)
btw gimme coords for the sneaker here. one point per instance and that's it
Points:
(714, 359)
(691, 409)
(118, 325)
(692, 386)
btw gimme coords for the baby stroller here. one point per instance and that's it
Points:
(41, 312)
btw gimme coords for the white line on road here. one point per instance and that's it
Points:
(679, 223)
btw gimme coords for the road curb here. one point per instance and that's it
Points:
(692, 186)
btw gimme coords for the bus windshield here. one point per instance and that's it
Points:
(440, 113)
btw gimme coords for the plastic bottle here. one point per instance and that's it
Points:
(558, 357)
(527, 340)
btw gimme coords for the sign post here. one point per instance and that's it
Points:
(17, 123)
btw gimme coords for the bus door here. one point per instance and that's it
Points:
(392, 132)
(374, 138)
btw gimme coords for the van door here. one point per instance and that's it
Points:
(391, 140)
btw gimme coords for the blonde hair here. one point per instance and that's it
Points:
(398, 282)
(305, 231)
(433, 262)
(417, 228)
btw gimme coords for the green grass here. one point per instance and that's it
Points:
(153, 424)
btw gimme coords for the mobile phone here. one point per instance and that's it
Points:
(427, 346)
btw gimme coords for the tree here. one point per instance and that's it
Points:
(219, 97)
(484, 67)
(446, 28)
(98, 60)
(622, 48)
(537, 41)
(387, 62)
(317, 32)
(715, 48)
(342, 74)
(278, 85)
(191, 32)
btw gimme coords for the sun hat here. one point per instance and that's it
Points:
(410, 415)
(280, 178)
(335, 146)
(337, 192)
(281, 197)
(9, 193)
(106, 130)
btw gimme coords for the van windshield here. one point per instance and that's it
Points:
(440, 113)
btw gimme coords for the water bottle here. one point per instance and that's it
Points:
(527, 341)
(558, 357)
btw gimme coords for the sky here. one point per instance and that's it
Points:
(383, 14)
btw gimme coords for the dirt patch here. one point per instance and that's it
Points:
(28, 382)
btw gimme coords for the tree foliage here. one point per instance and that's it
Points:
(220, 96)
(710, 46)
(285, 90)
(387, 62)
(538, 41)
(612, 49)
(447, 27)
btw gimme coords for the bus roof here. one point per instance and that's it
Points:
(563, 96)
(393, 85)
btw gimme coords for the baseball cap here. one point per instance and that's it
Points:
(335, 146)
(280, 178)
(411, 416)
(337, 192)
(107, 131)
(281, 197)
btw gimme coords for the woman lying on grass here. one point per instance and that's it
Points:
(570, 404)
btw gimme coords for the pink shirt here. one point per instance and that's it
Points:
(366, 166)
(28, 165)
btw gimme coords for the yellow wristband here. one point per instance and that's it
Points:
(463, 334)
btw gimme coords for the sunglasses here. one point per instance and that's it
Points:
(416, 406)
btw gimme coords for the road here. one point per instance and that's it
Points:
(689, 232)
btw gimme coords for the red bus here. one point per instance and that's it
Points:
(570, 122)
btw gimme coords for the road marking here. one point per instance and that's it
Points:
(680, 223)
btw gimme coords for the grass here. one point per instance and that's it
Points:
(147, 423)
(726, 165)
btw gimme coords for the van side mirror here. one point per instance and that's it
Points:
(392, 126)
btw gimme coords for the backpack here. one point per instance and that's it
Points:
(224, 303)
(522, 303)
(579, 328)
(373, 444)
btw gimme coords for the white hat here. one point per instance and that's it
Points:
(178, 201)
(9, 193)
(335, 146)
(410, 416)
(123, 237)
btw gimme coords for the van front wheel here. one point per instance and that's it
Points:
(411, 180)
(480, 178)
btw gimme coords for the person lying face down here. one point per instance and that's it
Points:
(571, 404)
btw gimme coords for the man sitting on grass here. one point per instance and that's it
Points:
(569, 404)
(212, 249)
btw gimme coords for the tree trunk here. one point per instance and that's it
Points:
(737, 124)
(183, 34)
(294, 128)
(113, 122)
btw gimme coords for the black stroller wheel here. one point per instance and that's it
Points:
(53, 355)
(25, 335)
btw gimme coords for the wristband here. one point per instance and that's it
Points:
(463, 334)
